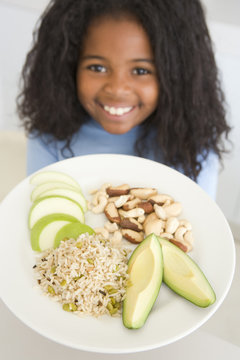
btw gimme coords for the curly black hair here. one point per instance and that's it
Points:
(190, 118)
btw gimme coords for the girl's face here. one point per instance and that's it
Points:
(116, 79)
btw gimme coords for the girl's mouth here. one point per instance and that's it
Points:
(117, 110)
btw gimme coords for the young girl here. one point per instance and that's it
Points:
(130, 77)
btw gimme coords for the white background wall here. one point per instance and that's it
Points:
(17, 21)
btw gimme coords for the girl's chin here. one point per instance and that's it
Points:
(116, 129)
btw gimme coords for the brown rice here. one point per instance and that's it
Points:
(87, 275)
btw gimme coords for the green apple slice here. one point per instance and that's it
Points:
(72, 230)
(41, 188)
(52, 205)
(184, 276)
(53, 176)
(145, 269)
(44, 231)
(71, 194)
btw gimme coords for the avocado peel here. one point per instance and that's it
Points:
(145, 269)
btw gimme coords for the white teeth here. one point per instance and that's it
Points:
(117, 111)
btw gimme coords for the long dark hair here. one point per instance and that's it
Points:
(189, 121)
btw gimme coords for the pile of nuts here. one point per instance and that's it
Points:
(135, 212)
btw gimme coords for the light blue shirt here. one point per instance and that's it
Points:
(93, 139)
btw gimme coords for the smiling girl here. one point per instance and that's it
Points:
(129, 77)
(117, 81)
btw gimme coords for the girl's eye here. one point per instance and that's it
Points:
(141, 71)
(97, 68)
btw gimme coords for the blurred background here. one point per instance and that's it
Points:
(17, 21)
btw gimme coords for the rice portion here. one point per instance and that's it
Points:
(87, 275)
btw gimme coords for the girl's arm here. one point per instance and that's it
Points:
(40, 154)
(208, 177)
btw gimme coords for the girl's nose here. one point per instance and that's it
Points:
(117, 84)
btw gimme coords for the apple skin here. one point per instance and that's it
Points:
(71, 194)
(41, 188)
(54, 204)
(57, 201)
(53, 176)
(72, 230)
(43, 232)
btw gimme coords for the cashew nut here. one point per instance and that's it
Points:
(160, 212)
(184, 237)
(102, 232)
(188, 237)
(116, 238)
(174, 209)
(186, 224)
(155, 226)
(141, 219)
(131, 209)
(105, 186)
(102, 202)
(166, 235)
(172, 224)
(111, 227)
(167, 202)
(179, 233)
(96, 198)
(149, 218)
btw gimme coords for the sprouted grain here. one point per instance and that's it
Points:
(88, 276)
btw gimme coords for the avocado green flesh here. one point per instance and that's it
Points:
(72, 230)
(145, 268)
(184, 276)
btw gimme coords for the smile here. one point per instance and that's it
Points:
(119, 111)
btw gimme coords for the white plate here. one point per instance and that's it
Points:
(172, 316)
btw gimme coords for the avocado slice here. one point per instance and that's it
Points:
(72, 230)
(145, 269)
(184, 276)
